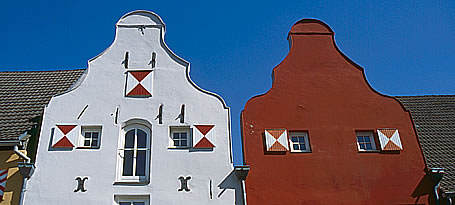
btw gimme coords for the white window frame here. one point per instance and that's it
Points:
(89, 128)
(180, 129)
(370, 134)
(132, 198)
(120, 153)
(299, 134)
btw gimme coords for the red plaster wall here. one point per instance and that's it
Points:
(317, 89)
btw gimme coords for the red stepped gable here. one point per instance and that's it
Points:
(318, 91)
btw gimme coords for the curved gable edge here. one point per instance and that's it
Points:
(350, 61)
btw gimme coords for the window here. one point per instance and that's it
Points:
(179, 137)
(90, 137)
(134, 154)
(135, 202)
(299, 142)
(365, 141)
(132, 200)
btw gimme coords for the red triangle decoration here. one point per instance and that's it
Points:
(66, 128)
(204, 143)
(277, 147)
(139, 75)
(391, 146)
(139, 90)
(63, 143)
(204, 129)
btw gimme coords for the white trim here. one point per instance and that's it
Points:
(180, 129)
(299, 134)
(89, 128)
(120, 151)
(372, 140)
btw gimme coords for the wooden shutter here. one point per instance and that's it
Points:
(389, 139)
(139, 84)
(203, 136)
(276, 140)
(63, 136)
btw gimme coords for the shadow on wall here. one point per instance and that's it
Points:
(425, 187)
(231, 181)
(12, 191)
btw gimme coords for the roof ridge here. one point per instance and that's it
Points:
(443, 95)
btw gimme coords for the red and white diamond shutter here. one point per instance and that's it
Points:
(139, 84)
(276, 140)
(389, 139)
(63, 136)
(203, 136)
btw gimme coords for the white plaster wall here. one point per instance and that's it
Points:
(103, 89)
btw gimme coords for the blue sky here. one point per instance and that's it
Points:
(406, 47)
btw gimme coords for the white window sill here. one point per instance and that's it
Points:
(301, 151)
(130, 182)
(368, 151)
(87, 147)
(178, 147)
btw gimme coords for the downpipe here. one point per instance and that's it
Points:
(26, 169)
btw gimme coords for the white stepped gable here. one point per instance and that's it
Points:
(136, 86)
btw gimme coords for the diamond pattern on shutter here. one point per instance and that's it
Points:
(139, 84)
(62, 136)
(276, 140)
(389, 139)
(203, 134)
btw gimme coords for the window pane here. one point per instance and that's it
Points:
(140, 163)
(183, 143)
(124, 203)
(176, 136)
(359, 139)
(129, 139)
(302, 147)
(141, 139)
(87, 135)
(367, 139)
(183, 135)
(296, 147)
(128, 163)
(369, 146)
(87, 143)
(176, 143)
(362, 146)
(301, 139)
(95, 135)
(138, 203)
(95, 143)
(294, 139)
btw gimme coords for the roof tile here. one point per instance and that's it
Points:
(23, 96)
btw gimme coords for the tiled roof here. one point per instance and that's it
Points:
(434, 118)
(23, 96)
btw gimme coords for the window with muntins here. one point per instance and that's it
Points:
(90, 137)
(365, 141)
(134, 154)
(132, 200)
(179, 137)
(132, 203)
(299, 142)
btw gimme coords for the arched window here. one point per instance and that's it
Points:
(134, 154)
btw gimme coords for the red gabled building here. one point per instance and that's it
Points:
(323, 135)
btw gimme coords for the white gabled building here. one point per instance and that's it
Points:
(135, 130)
